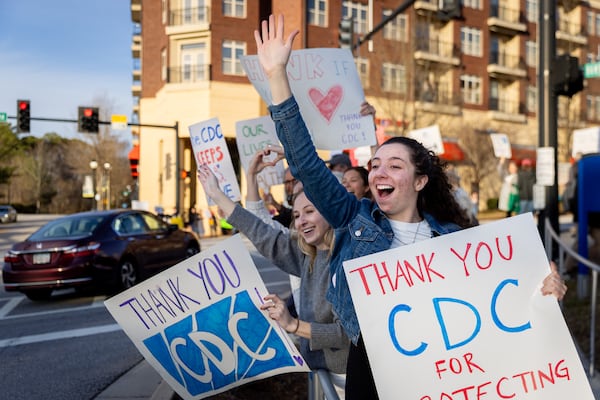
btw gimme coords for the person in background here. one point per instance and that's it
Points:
(525, 182)
(412, 200)
(338, 164)
(508, 200)
(356, 181)
(284, 210)
(304, 252)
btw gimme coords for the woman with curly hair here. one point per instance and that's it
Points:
(412, 198)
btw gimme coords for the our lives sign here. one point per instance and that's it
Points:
(461, 317)
(200, 326)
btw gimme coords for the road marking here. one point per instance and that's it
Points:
(45, 337)
(10, 305)
(95, 304)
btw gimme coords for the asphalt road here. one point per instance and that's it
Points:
(70, 347)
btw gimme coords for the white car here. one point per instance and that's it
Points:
(8, 214)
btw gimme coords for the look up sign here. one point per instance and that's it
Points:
(461, 317)
(200, 326)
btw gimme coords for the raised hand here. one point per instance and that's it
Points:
(553, 283)
(259, 162)
(273, 50)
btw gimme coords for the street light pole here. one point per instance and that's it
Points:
(107, 182)
(94, 167)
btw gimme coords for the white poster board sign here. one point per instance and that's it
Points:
(253, 135)
(210, 148)
(200, 326)
(544, 166)
(430, 137)
(328, 90)
(462, 314)
(501, 145)
(586, 141)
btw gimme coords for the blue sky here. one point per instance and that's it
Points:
(61, 54)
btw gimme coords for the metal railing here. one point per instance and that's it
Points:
(582, 281)
(320, 386)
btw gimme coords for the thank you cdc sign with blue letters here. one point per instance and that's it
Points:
(461, 317)
(200, 326)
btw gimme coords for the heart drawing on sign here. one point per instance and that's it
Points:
(328, 103)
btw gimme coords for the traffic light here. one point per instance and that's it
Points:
(185, 174)
(448, 9)
(346, 33)
(133, 164)
(567, 77)
(23, 116)
(87, 120)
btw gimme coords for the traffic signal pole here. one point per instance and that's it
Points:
(174, 127)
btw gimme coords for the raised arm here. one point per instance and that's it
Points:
(209, 182)
(273, 53)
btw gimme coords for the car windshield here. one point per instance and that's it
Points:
(68, 227)
(4, 209)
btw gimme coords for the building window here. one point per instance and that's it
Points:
(233, 51)
(589, 58)
(362, 66)
(531, 10)
(590, 23)
(589, 107)
(195, 11)
(470, 86)
(193, 63)
(163, 65)
(470, 41)
(359, 12)
(531, 99)
(396, 29)
(393, 78)
(476, 4)
(531, 56)
(164, 11)
(597, 25)
(317, 12)
(597, 108)
(234, 8)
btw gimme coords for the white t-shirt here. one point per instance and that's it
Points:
(409, 232)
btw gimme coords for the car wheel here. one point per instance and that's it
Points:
(38, 294)
(128, 274)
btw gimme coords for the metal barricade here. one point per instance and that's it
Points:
(320, 386)
(550, 237)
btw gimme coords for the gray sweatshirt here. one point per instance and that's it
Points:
(328, 346)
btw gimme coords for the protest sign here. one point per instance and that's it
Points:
(328, 90)
(210, 148)
(501, 145)
(586, 141)
(200, 326)
(461, 317)
(430, 137)
(253, 135)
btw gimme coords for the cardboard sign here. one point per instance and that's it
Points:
(253, 135)
(585, 141)
(501, 145)
(328, 90)
(210, 148)
(199, 323)
(430, 137)
(461, 316)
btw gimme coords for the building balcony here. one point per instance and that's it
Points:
(136, 10)
(438, 100)
(570, 32)
(424, 7)
(436, 51)
(506, 20)
(136, 46)
(136, 89)
(189, 74)
(506, 66)
(507, 110)
(191, 19)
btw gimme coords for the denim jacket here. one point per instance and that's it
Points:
(361, 228)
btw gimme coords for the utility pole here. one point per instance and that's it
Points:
(548, 106)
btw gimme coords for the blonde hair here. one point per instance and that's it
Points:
(308, 249)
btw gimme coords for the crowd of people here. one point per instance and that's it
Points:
(408, 195)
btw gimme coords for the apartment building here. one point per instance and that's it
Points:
(471, 74)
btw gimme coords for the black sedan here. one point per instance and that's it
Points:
(115, 248)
